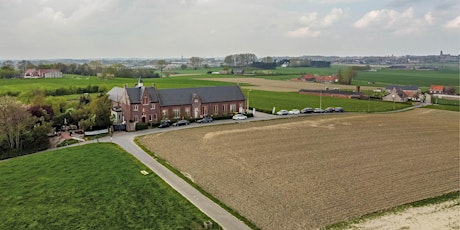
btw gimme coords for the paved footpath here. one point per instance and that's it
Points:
(207, 206)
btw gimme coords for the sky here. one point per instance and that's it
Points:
(157, 29)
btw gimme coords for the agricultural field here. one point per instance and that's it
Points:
(95, 186)
(312, 171)
(420, 78)
(266, 94)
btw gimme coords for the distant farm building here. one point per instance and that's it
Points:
(437, 89)
(322, 79)
(405, 92)
(43, 73)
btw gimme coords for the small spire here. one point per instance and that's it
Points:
(139, 82)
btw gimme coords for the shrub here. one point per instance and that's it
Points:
(141, 126)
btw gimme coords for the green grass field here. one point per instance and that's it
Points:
(27, 85)
(419, 78)
(95, 186)
(260, 100)
(265, 101)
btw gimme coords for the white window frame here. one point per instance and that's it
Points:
(176, 112)
(232, 108)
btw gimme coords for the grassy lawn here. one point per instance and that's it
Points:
(266, 100)
(96, 186)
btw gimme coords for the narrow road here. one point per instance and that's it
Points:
(207, 206)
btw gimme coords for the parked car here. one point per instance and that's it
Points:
(339, 109)
(205, 120)
(164, 124)
(282, 112)
(181, 122)
(294, 111)
(306, 110)
(239, 117)
(318, 110)
(329, 110)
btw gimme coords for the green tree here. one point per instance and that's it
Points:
(8, 72)
(346, 77)
(267, 59)
(100, 107)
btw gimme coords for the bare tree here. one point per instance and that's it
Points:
(451, 90)
(14, 120)
(161, 64)
(196, 62)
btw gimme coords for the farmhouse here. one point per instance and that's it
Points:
(43, 73)
(151, 105)
(437, 89)
(323, 79)
(410, 92)
(396, 95)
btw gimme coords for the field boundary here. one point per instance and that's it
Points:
(189, 181)
(455, 195)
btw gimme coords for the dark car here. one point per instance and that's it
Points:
(329, 110)
(318, 110)
(164, 124)
(205, 120)
(181, 122)
(306, 110)
(339, 109)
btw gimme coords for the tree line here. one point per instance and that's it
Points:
(26, 128)
(92, 68)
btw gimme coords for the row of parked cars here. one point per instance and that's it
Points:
(166, 123)
(311, 110)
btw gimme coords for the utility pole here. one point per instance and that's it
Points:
(320, 98)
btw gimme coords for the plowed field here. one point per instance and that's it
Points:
(308, 172)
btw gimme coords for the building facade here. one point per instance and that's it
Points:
(142, 104)
(43, 73)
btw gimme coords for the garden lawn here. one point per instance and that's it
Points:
(95, 186)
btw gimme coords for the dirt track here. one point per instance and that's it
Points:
(307, 172)
(283, 86)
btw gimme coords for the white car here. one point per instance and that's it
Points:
(294, 111)
(282, 112)
(239, 117)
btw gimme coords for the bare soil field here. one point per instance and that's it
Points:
(445, 215)
(312, 171)
(283, 86)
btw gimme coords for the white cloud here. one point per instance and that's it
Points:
(453, 24)
(52, 15)
(429, 18)
(309, 19)
(311, 24)
(334, 16)
(334, 1)
(303, 32)
(399, 23)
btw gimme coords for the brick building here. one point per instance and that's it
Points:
(151, 105)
